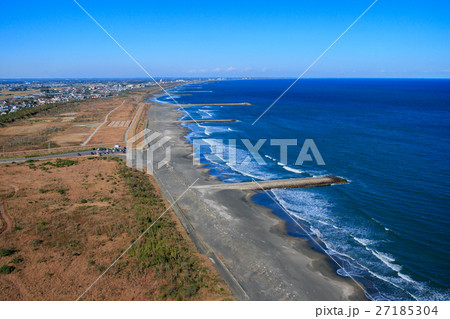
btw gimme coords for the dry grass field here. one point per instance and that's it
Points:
(107, 134)
(72, 123)
(4, 95)
(65, 221)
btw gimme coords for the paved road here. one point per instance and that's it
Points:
(62, 155)
(132, 122)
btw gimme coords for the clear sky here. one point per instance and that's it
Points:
(396, 38)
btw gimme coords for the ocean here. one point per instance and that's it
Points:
(389, 227)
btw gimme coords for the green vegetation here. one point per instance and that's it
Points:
(31, 111)
(36, 242)
(163, 249)
(64, 162)
(61, 191)
(5, 269)
(45, 166)
(58, 163)
(25, 113)
(17, 260)
(7, 252)
(42, 226)
(83, 201)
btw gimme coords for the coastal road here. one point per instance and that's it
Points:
(132, 122)
(62, 155)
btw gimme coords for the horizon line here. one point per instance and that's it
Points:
(222, 78)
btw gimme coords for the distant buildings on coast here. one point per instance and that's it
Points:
(18, 94)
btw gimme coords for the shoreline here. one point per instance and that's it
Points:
(248, 243)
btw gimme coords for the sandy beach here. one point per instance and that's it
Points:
(247, 243)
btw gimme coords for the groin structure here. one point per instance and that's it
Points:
(278, 183)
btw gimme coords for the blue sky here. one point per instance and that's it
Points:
(225, 38)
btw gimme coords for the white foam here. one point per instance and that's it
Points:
(286, 167)
(391, 281)
(312, 208)
(325, 223)
(206, 114)
(174, 97)
(215, 129)
(364, 241)
(387, 260)
(159, 101)
(294, 170)
(219, 154)
(305, 206)
(406, 277)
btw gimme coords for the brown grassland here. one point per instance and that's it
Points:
(4, 95)
(71, 123)
(65, 221)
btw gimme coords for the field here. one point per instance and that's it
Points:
(72, 123)
(4, 95)
(65, 221)
(124, 113)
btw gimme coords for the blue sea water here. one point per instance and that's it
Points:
(389, 227)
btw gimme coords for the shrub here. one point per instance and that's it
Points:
(17, 260)
(36, 242)
(64, 162)
(7, 252)
(163, 248)
(61, 191)
(6, 269)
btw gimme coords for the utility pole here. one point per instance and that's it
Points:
(49, 147)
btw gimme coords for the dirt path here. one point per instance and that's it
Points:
(17, 290)
(6, 220)
(103, 123)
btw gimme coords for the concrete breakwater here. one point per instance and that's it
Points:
(207, 121)
(279, 183)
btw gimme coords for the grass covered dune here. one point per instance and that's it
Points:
(76, 218)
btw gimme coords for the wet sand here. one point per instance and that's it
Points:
(247, 243)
